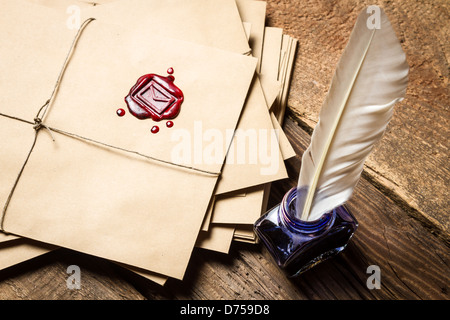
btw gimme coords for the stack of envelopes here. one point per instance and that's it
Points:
(75, 174)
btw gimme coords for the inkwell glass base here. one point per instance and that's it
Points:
(298, 245)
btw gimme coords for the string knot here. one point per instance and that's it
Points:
(38, 124)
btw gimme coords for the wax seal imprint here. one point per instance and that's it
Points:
(154, 96)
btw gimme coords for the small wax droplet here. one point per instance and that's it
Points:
(170, 70)
(120, 112)
(155, 129)
(169, 124)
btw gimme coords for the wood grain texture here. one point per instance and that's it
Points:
(400, 203)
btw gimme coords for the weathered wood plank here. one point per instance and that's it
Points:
(412, 159)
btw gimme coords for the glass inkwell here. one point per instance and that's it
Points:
(298, 245)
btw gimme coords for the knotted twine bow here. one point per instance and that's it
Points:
(38, 125)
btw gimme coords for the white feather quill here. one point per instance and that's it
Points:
(371, 76)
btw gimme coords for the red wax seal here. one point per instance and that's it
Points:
(155, 97)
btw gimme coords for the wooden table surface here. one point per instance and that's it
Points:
(401, 202)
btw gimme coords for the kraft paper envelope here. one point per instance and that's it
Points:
(20, 250)
(286, 70)
(233, 219)
(231, 209)
(213, 23)
(228, 208)
(254, 133)
(218, 238)
(272, 47)
(6, 238)
(276, 69)
(91, 196)
(254, 156)
(216, 22)
(270, 64)
(239, 210)
(245, 234)
(254, 12)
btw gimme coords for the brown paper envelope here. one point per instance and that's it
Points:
(215, 23)
(65, 3)
(247, 28)
(285, 146)
(273, 67)
(276, 69)
(266, 47)
(254, 12)
(155, 277)
(286, 74)
(16, 141)
(141, 187)
(254, 110)
(20, 250)
(217, 238)
(271, 89)
(270, 64)
(254, 157)
(208, 215)
(253, 118)
(231, 208)
(16, 251)
(244, 232)
(239, 210)
(6, 237)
